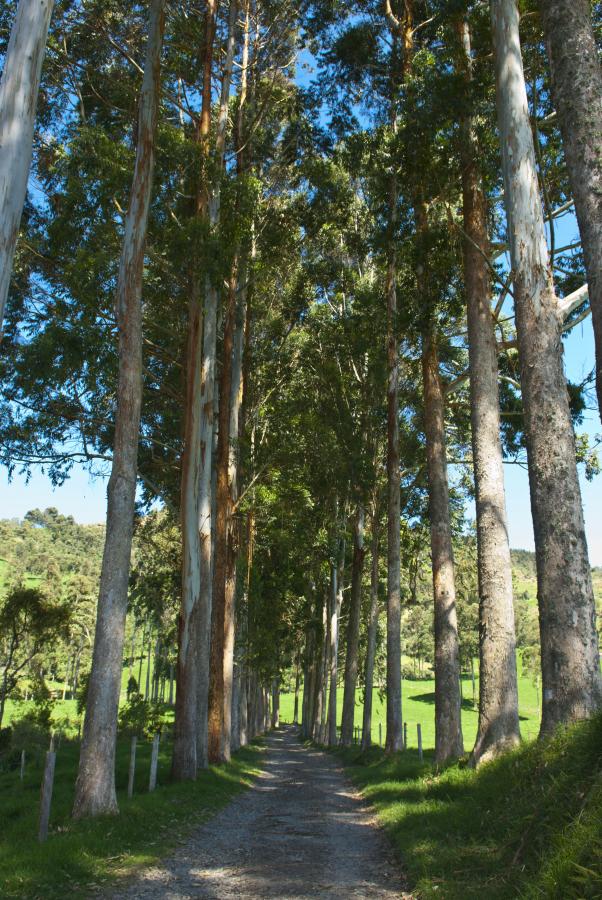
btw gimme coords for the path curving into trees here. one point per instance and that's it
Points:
(300, 831)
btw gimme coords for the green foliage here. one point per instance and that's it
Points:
(142, 717)
(28, 623)
(82, 693)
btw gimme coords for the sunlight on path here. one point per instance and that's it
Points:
(300, 831)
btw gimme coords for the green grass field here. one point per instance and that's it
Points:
(418, 706)
(80, 855)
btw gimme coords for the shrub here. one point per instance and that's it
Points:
(141, 717)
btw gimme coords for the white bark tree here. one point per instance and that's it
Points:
(572, 686)
(498, 690)
(18, 101)
(95, 787)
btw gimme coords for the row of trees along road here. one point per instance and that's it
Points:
(282, 307)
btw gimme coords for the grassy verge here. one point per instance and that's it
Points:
(528, 825)
(81, 855)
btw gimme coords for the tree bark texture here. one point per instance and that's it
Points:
(448, 725)
(208, 396)
(498, 728)
(95, 786)
(19, 89)
(194, 622)
(353, 627)
(569, 642)
(577, 95)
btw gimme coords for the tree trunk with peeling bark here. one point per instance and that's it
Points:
(569, 643)
(577, 95)
(95, 786)
(19, 89)
(448, 725)
(353, 628)
(191, 625)
(498, 728)
(208, 393)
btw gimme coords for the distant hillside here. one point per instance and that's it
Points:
(47, 546)
(524, 575)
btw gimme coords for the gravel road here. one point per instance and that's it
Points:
(300, 831)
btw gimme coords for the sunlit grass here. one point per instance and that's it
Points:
(418, 706)
(528, 825)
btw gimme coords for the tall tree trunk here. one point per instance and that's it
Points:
(243, 709)
(192, 622)
(577, 96)
(336, 601)
(239, 288)
(297, 685)
(217, 692)
(498, 691)
(402, 32)
(234, 718)
(569, 643)
(448, 725)
(353, 627)
(394, 740)
(141, 658)
(207, 411)
(372, 628)
(95, 786)
(321, 670)
(276, 703)
(149, 667)
(22, 68)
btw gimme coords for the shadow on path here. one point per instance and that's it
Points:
(300, 831)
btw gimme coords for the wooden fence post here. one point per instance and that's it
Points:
(152, 782)
(22, 764)
(46, 793)
(419, 728)
(405, 735)
(132, 770)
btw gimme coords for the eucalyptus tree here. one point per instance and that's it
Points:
(193, 635)
(95, 787)
(19, 87)
(577, 95)
(569, 644)
(498, 690)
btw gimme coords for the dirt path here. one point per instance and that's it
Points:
(300, 831)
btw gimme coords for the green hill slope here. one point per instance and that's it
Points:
(528, 825)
